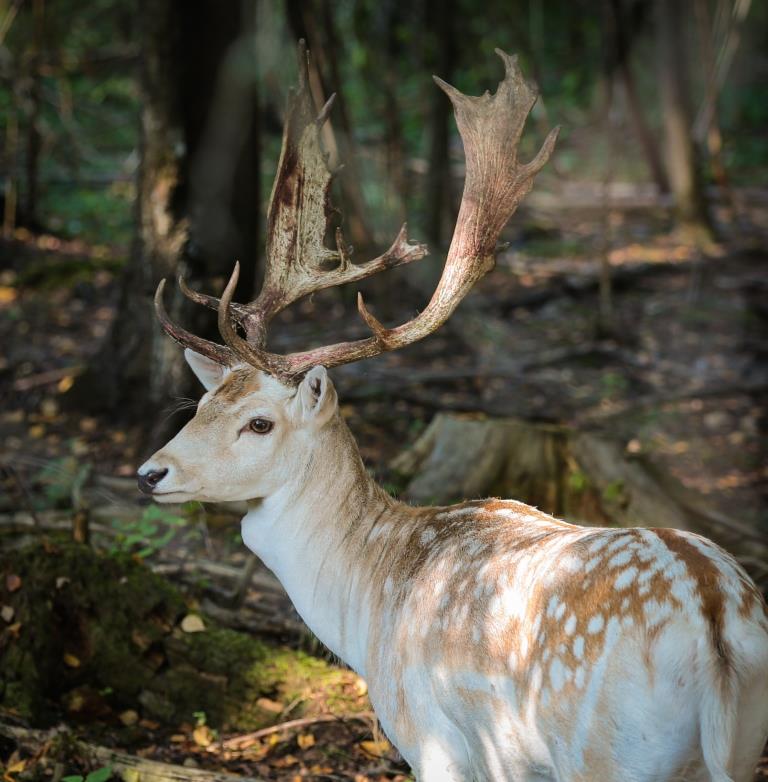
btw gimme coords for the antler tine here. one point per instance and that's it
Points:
(218, 353)
(490, 127)
(246, 351)
(239, 312)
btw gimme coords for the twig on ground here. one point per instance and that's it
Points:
(246, 739)
(44, 378)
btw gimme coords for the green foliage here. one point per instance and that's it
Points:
(98, 775)
(155, 529)
(87, 115)
(577, 481)
(58, 480)
(614, 491)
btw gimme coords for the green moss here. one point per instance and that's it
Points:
(106, 625)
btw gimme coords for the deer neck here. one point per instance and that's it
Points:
(312, 534)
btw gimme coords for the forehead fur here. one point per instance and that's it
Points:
(244, 381)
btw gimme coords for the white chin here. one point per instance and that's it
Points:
(173, 497)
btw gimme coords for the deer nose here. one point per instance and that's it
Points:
(148, 481)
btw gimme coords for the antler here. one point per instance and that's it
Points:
(297, 258)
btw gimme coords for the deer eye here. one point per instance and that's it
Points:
(260, 425)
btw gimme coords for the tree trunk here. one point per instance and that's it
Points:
(394, 139)
(35, 98)
(622, 51)
(442, 59)
(682, 165)
(197, 204)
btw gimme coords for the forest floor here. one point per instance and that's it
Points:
(679, 374)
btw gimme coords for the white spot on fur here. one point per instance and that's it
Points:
(622, 558)
(552, 606)
(625, 578)
(578, 647)
(570, 624)
(618, 543)
(595, 624)
(591, 564)
(597, 545)
(428, 535)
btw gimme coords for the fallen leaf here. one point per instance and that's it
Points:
(36, 432)
(12, 582)
(7, 295)
(192, 623)
(17, 767)
(88, 424)
(178, 738)
(202, 736)
(61, 581)
(65, 384)
(305, 740)
(7, 613)
(79, 447)
(49, 408)
(286, 760)
(129, 717)
(376, 749)
(71, 661)
(269, 705)
(149, 724)
(14, 629)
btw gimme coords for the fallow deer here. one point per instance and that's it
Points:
(498, 643)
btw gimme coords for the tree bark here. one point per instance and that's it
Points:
(442, 59)
(623, 65)
(197, 203)
(682, 165)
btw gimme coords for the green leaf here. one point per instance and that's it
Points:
(72, 778)
(100, 775)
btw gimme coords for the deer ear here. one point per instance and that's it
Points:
(209, 372)
(317, 396)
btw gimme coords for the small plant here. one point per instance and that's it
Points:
(98, 775)
(153, 530)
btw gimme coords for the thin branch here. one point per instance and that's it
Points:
(245, 740)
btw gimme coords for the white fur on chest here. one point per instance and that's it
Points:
(329, 601)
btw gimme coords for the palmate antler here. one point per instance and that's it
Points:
(299, 263)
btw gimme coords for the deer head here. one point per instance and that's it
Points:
(262, 411)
